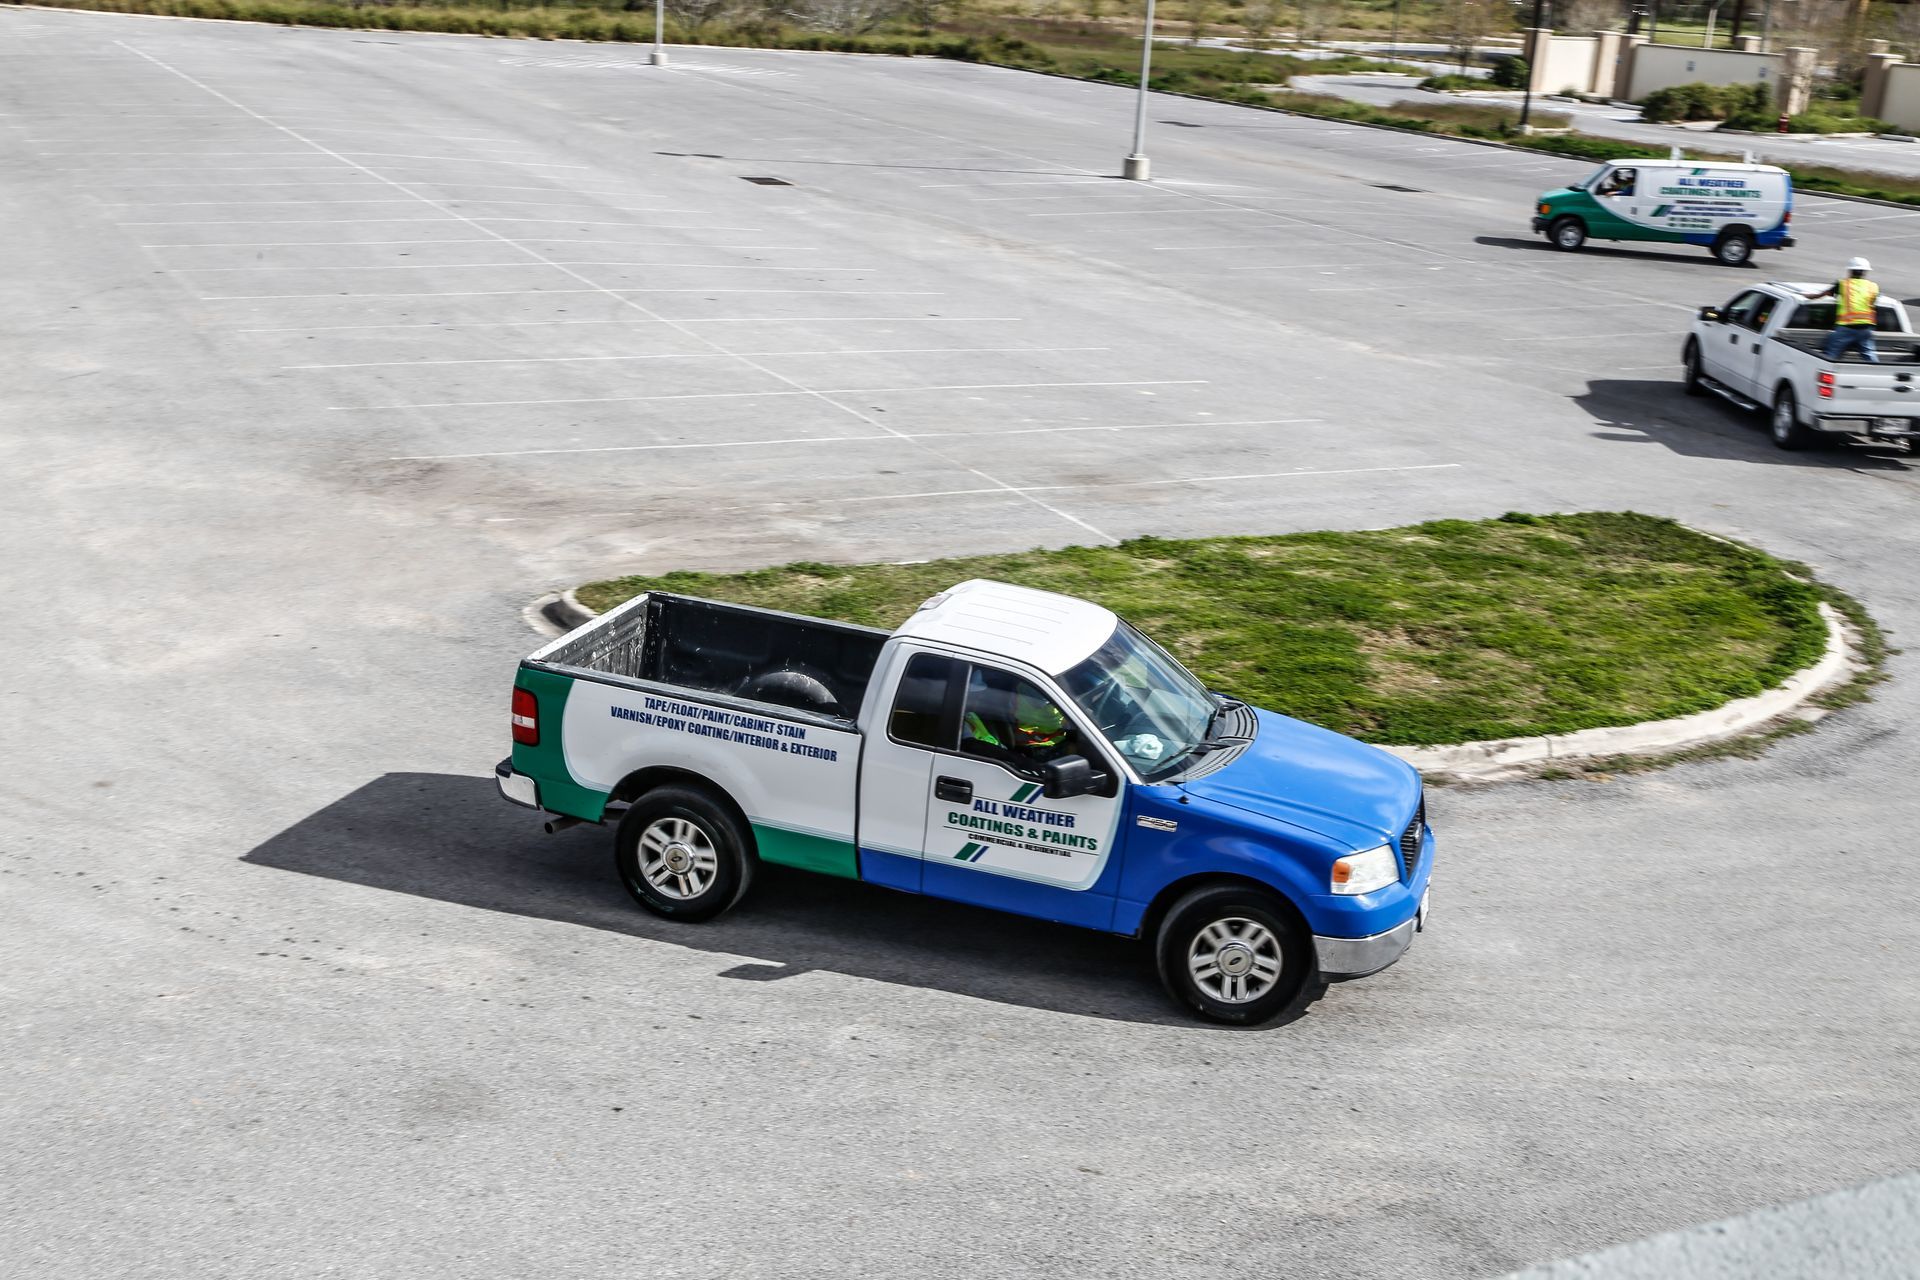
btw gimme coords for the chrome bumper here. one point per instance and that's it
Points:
(517, 787)
(1344, 958)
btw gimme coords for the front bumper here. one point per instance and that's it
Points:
(1343, 958)
(516, 787)
(1539, 222)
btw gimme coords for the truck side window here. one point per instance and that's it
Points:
(1761, 314)
(1008, 719)
(1740, 310)
(918, 707)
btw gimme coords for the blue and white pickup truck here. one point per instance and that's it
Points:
(1006, 747)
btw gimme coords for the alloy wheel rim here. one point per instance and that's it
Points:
(678, 859)
(1235, 960)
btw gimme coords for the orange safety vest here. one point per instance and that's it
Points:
(1856, 301)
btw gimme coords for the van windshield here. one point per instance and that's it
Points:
(1587, 182)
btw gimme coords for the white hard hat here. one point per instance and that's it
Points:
(1859, 264)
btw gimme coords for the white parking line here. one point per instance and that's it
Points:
(899, 435)
(640, 320)
(270, 222)
(706, 355)
(1120, 484)
(469, 266)
(491, 293)
(182, 204)
(1123, 213)
(396, 155)
(750, 395)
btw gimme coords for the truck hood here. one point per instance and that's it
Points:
(1558, 194)
(1306, 776)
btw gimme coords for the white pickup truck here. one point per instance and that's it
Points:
(1005, 747)
(1762, 351)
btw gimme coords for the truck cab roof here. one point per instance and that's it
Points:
(1043, 629)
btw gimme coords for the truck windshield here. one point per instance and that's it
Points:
(1152, 709)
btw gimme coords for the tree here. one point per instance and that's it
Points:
(845, 17)
(698, 15)
(1259, 17)
(1465, 25)
(1584, 17)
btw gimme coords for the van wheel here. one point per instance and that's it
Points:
(1691, 379)
(1787, 431)
(1567, 233)
(682, 855)
(1234, 954)
(1734, 248)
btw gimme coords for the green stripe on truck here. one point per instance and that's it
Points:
(546, 763)
(807, 851)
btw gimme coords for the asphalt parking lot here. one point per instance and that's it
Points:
(330, 351)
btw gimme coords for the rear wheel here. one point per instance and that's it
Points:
(1734, 248)
(682, 854)
(1691, 379)
(1787, 431)
(1235, 954)
(1567, 233)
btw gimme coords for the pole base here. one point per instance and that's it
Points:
(1138, 168)
(659, 58)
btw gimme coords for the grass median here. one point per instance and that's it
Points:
(1450, 631)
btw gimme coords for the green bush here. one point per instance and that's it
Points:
(1510, 73)
(1707, 102)
(1451, 81)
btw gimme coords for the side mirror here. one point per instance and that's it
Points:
(1070, 776)
(1709, 313)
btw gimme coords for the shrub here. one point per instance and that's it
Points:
(1510, 73)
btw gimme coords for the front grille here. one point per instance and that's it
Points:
(1410, 838)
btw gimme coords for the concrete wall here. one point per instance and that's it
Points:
(1661, 66)
(1568, 64)
(1899, 96)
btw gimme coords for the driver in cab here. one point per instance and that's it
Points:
(1618, 183)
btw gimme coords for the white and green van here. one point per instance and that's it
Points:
(1728, 209)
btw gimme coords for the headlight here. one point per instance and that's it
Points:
(1365, 872)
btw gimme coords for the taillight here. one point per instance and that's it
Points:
(526, 718)
(1826, 386)
(1787, 217)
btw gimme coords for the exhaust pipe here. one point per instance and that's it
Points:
(560, 823)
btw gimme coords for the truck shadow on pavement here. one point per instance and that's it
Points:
(451, 838)
(1656, 411)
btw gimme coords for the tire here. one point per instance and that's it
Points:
(1257, 935)
(1567, 233)
(1734, 248)
(1785, 424)
(1690, 380)
(682, 854)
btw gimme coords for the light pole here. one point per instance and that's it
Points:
(659, 24)
(1393, 41)
(1526, 103)
(1136, 165)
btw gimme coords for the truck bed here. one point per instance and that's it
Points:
(1892, 346)
(706, 646)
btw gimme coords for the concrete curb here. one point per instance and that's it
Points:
(1515, 757)
(1503, 758)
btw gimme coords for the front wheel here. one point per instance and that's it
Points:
(1567, 233)
(1234, 954)
(1691, 379)
(682, 854)
(1787, 431)
(1733, 248)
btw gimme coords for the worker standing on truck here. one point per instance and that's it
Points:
(1854, 299)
